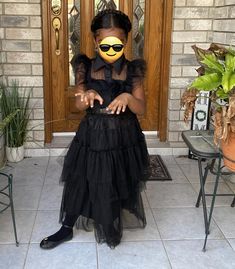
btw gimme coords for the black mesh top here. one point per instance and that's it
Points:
(109, 80)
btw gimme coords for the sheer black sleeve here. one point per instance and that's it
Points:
(136, 72)
(81, 64)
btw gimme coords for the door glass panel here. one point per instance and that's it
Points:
(138, 28)
(104, 4)
(73, 33)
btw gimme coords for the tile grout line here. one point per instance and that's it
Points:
(214, 219)
(26, 256)
(128, 241)
(217, 225)
(227, 184)
(231, 245)
(200, 202)
(97, 255)
(159, 233)
(222, 180)
(35, 210)
(190, 239)
(43, 183)
(179, 165)
(40, 196)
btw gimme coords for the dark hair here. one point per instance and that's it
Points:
(109, 18)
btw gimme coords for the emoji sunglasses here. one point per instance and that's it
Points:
(115, 47)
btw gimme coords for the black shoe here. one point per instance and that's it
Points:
(49, 244)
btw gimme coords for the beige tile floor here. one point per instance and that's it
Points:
(173, 237)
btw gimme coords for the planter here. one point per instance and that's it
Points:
(15, 155)
(228, 149)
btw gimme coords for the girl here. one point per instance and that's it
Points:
(107, 163)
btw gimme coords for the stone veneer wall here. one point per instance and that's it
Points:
(1, 37)
(224, 29)
(22, 57)
(192, 24)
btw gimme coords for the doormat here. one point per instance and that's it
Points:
(158, 170)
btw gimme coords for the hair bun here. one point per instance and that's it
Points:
(108, 18)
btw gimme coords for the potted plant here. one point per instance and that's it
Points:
(217, 75)
(16, 130)
(3, 124)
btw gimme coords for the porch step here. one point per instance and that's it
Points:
(60, 144)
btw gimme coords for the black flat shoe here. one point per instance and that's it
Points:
(47, 244)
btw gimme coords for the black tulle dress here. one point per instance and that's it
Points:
(106, 166)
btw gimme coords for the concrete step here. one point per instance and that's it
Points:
(61, 142)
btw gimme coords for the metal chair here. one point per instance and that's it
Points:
(6, 191)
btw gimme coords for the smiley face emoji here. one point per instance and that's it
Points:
(111, 49)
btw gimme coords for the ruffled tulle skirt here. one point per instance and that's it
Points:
(104, 173)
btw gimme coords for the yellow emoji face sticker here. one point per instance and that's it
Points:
(111, 49)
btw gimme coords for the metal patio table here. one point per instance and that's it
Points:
(201, 144)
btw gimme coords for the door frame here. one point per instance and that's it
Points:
(164, 69)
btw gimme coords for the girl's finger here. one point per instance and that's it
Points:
(119, 108)
(114, 108)
(91, 101)
(123, 108)
(82, 97)
(99, 98)
(111, 105)
(86, 100)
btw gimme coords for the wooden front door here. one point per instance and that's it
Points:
(66, 31)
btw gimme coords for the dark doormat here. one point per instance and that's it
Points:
(158, 170)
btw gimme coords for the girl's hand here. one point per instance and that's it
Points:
(88, 97)
(119, 103)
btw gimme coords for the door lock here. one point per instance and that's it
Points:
(56, 24)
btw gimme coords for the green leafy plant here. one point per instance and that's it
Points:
(217, 72)
(217, 75)
(7, 120)
(15, 113)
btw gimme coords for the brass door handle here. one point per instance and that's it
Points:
(56, 23)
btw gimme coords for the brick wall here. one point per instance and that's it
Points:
(22, 57)
(192, 24)
(223, 26)
(1, 37)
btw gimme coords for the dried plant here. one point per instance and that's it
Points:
(217, 75)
